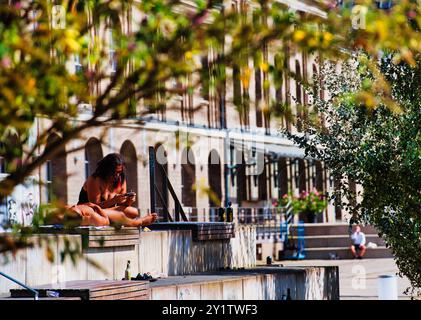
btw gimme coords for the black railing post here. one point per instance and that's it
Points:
(165, 194)
(177, 212)
(165, 212)
(166, 186)
(152, 178)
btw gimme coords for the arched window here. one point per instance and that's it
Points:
(93, 153)
(56, 173)
(128, 151)
(214, 176)
(188, 178)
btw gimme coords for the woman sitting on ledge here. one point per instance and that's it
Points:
(107, 188)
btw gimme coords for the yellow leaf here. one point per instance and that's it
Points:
(312, 42)
(49, 254)
(31, 83)
(381, 28)
(327, 37)
(299, 35)
(72, 44)
(245, 77)
(188, 55)
(414, 43)
(264, 66)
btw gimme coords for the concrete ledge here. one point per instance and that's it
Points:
(98, 237)
(261, 283)
(201, 231)
(172, 252)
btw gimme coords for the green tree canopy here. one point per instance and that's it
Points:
(376, 148)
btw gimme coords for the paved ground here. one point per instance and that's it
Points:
(359, 278)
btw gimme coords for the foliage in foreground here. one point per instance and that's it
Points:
(375, 148)
(152, 64)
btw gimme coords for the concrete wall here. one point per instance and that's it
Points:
(169, 252)
(310, 283)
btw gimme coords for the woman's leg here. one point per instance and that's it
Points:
(130, 212)
(119, 217)
(90, 216)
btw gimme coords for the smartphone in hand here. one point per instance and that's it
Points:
(130, 194)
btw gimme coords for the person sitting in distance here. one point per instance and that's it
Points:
(358, 247)
(107, 188)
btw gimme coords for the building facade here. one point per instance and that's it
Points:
(212, 155)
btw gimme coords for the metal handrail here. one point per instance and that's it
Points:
(35, 292)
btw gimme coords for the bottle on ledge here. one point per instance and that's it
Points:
(221, 214)
(230, 213)
(127, 273)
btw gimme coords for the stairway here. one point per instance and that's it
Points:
(323, 240)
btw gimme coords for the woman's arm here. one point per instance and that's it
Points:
(93, 190)
(129, 200)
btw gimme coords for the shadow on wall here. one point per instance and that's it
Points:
(310, 283)
(177, 254)
(176, 261)
(331, 287)
(291, 281)
(186, 256)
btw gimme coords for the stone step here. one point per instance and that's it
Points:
(324, 229)
(337, 241)
(345, 253)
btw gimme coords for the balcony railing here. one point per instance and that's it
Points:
(267, 220)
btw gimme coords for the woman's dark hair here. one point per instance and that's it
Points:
(106, 168)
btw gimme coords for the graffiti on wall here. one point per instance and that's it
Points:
(21, 205)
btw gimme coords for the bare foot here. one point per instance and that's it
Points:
(149, 219)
